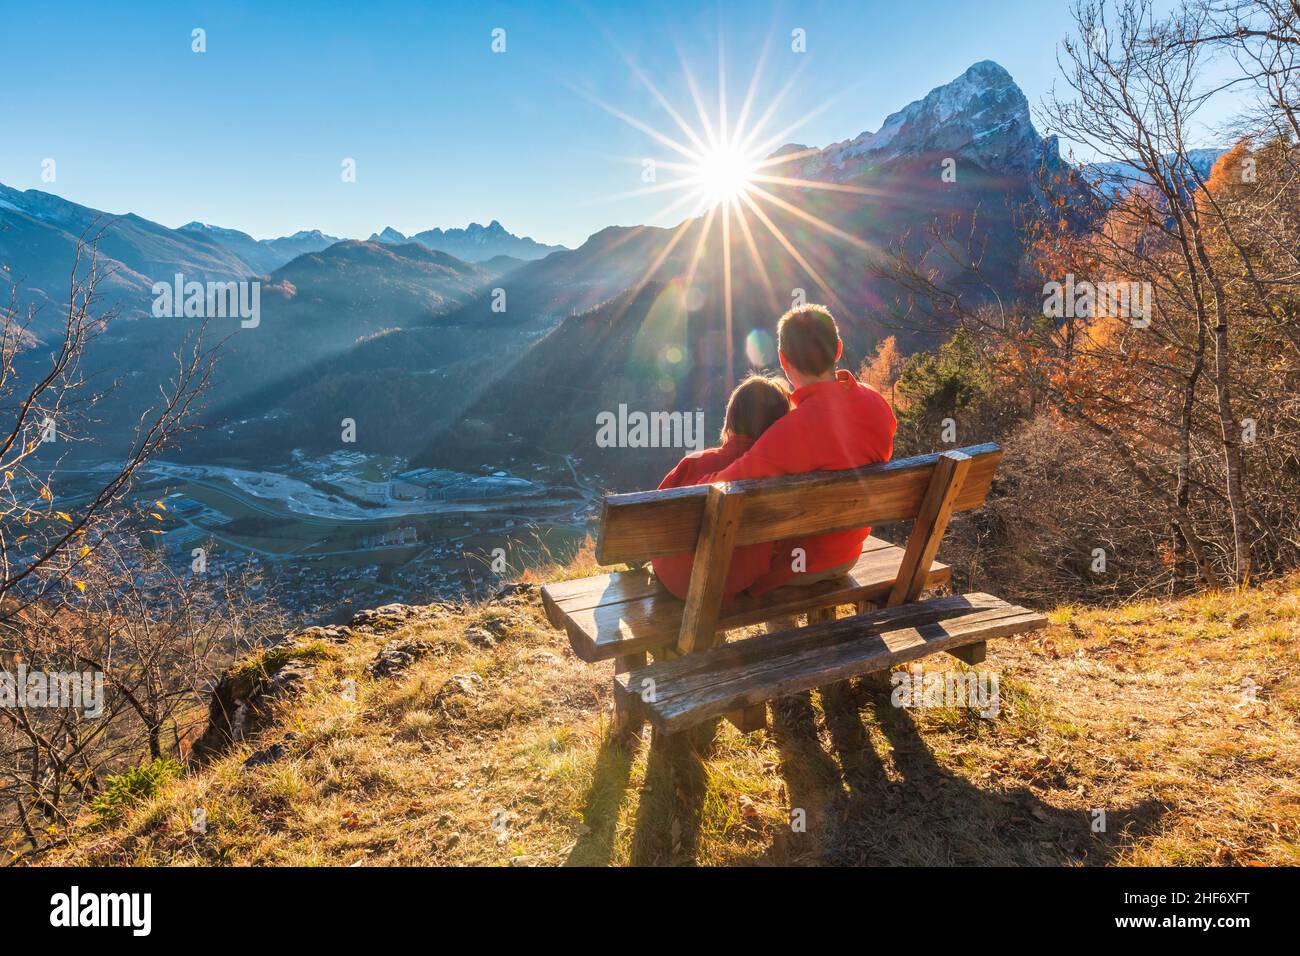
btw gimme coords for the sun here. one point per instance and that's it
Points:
(723, 174)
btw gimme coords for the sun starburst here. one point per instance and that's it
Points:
(724, 173)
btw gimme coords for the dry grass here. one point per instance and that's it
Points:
(1139, 712)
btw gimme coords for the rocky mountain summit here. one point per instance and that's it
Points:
(981, 116)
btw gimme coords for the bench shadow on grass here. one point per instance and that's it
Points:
(670, 802)
(671, 807)
(858, 815)
(610, 780)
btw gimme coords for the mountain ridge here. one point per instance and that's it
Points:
(39, 232)
(474, 243)
(265, 255)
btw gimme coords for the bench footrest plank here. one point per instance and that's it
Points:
(677, 694)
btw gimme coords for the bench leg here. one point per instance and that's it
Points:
(624, 721)
(701, 736)
(837, 695)
(876, 681)
(972, 654)
(629, 662)
(749, 719)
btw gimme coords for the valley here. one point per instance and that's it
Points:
(325, 535)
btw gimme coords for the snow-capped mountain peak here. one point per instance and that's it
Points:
(389, 234)
(981, 116)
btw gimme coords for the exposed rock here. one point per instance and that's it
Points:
(500, 626)
(502, 622)
(455, 696)
(480, 637)
(391, 616)
(385, 617)
(275, 752)
(334, 633)
(396, 656)
(515, 589)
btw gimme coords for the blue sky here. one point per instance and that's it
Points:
(251, 134)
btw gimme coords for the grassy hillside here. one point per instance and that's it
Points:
(492, 748)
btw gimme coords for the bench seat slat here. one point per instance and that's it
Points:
(580, 594)
(612, 615)
(691, 689)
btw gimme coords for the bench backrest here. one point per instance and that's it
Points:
(713, 520)
(650, 524)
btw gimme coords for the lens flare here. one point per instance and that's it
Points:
(759, 348)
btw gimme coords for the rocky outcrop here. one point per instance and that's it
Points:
(392, 616)
(267, 755)
(246, 698)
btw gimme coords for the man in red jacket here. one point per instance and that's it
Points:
(836, 423)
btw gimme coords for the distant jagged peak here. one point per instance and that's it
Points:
(475, 243)
(222, 231)
(493, 228)
(1119, 178)
(980, 115)
(389, 234)
(215, 232)
(311, 234)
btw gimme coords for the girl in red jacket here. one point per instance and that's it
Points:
(753, 407)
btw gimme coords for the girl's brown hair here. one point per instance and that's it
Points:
(754, 406)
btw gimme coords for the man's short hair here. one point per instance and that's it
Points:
(809, 339)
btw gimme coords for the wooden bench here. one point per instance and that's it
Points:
(624, 615)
